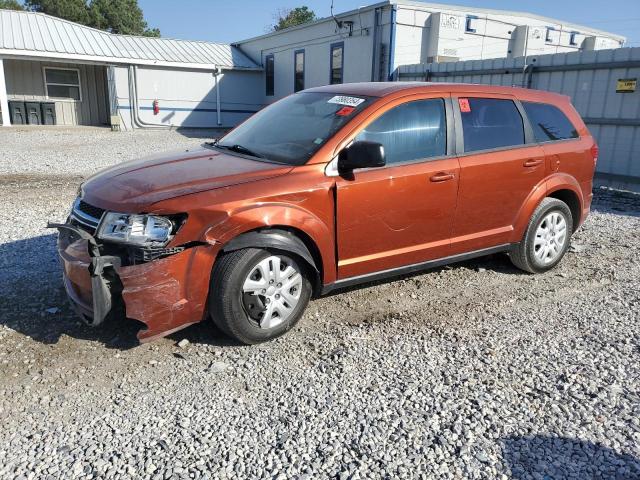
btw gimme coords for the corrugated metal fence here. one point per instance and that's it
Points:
(590, 78)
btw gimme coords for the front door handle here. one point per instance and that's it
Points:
(442, 177)
(532, 162)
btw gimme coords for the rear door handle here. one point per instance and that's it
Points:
(532, 162)
(442, 177)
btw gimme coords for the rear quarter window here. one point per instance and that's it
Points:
(548, 122)
(489, 123)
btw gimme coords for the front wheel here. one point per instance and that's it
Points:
(547, 237)
(257, 295)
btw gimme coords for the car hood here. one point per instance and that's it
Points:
(132, 186)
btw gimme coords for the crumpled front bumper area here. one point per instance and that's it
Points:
(165, 294)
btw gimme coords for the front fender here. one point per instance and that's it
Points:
(274, 215)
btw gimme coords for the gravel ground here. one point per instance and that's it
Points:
(85, 150)
(470, 371)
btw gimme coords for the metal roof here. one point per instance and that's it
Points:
(30, 34)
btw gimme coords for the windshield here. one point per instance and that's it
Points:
(292, 130)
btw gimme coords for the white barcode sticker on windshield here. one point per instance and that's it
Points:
(346, 100)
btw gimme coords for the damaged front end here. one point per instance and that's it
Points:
(165, 288)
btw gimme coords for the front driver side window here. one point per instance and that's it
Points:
(411, 131)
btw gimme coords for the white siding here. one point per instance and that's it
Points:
(316, 39)
(425, 33)
(187, 98)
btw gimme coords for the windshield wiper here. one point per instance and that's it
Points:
(240, 149)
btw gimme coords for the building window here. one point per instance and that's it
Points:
(469, 24)
(572, 38)
(269, 75)
(62, 83)
(548, 38)
(337, 63)
(298, 80)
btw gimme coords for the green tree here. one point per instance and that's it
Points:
(120, 16)
(72, 10)
(10, 5)
(116, 16)
(291, 17)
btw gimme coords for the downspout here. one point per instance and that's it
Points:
(374, 54)
(392, 36)
(526, 47)
(216, 74)
(133, 94)
(527, 74)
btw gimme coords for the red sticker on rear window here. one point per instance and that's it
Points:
(344, 111)
(464, 105)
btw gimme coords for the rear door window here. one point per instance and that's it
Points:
(411, 131)
(548, 122)
(489, 123)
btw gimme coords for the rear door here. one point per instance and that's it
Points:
(500, 167)
(402, 213)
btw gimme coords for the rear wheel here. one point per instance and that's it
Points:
(257, 294)
(547, 237)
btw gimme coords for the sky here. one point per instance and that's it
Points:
(228, 21)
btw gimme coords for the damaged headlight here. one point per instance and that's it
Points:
(135, 229)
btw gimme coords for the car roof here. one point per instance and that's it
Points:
(382, 89)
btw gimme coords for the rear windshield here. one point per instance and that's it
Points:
(292, 130)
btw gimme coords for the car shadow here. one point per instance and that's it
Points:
(498, 263)
(208, 133)
(556, 458)
(606, 200)
(33, 302)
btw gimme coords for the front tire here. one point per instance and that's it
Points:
(257, 295)
(546, 239)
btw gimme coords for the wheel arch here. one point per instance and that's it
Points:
(286, 239)
(560, 186)
(572, 200)
(253, 223)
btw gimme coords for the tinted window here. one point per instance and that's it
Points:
(490, 123)
(410, 131)
(337, 52)
(269, 74)
(548, 122)
(299, 71)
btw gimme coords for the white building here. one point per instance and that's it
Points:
(56, 71)
(368, 44)
(60, 72)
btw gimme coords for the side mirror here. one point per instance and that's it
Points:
(363, 154)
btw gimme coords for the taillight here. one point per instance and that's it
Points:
(594, 153)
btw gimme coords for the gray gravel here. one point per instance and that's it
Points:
(85, 150)
(471, 371)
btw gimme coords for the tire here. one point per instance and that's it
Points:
(529, 255)
(242, 314)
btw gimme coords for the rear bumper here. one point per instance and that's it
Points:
(586, 208)
(166, 294)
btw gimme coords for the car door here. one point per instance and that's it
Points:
(500, 167)
(402, 213)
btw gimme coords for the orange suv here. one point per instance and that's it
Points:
(329, 187)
